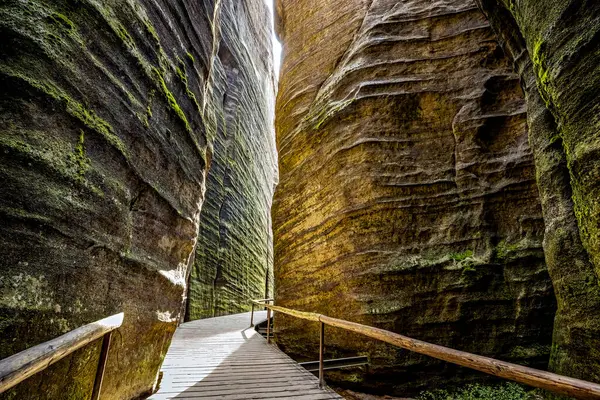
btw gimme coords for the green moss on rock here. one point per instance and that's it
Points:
(103, 159)
(558, 60)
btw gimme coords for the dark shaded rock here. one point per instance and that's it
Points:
(234, 255)
(107, 115)
(407, 196)
(555, 47)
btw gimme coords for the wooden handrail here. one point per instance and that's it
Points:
(259, 302)
(559, 384)
(20, 366)
(262, 301)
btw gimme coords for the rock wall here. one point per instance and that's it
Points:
(556, 51)
(407, 196)
(234, 255)
(110, 115)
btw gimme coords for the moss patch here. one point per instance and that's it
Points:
(461, 256)
(81, 161)
(171, 99)
(504, 391)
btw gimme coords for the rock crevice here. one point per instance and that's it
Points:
(557, 59)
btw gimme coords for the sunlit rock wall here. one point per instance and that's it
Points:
(407, 196)
(556, 50)
(234, 255)
(110, 114)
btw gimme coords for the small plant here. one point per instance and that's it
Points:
(461, 256)
(505, 391)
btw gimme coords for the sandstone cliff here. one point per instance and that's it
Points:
(234, 255)
(110, 115)
(556, 50)
(407, 196)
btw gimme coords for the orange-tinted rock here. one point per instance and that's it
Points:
(407, 196)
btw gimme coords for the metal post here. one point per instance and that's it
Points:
(101, 366)
(252, 316)
(321, 351)
(268, 325)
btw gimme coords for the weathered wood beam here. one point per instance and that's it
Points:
(559, 384)
(20, 366)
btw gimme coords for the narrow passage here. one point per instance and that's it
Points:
(224, 358)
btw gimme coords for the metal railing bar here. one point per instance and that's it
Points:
(336, 363)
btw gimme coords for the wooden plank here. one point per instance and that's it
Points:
(240, 381)
(221, 358)
(273, 361)
(215, 378)
(193, 369)
(247, 396)
(21, 366)
(298, 396)
(256, 389)
(223, 377)
(250, 384)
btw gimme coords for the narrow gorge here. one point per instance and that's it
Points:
(438, 171)
(427, 167)
(136, 151)
(430, 223)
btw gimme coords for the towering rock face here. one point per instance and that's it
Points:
(556, 51)
(234, 258)
(110, 115)
(407, 196)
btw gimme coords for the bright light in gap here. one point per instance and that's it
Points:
(276, 44)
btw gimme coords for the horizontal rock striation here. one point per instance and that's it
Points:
(234, 255)
(555, 49)
(109, 118)
(407, 196)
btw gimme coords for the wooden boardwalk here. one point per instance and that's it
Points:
(223, 358)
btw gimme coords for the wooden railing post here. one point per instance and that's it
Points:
(273, 322)
(101, 366)
(321, 351)
(268, 325)
(20, 366)
(252, 316)
(558, 384)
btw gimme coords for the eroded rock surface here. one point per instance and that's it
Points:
(555, 49)
(407, 196)
(110, 114)
(234, 255)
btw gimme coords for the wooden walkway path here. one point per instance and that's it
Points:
(223, 358)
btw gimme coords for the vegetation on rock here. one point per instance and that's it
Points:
(440, 178)
(555, 49)
(234, 255)
(109, 119)
(407, 196)
(505, 391)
